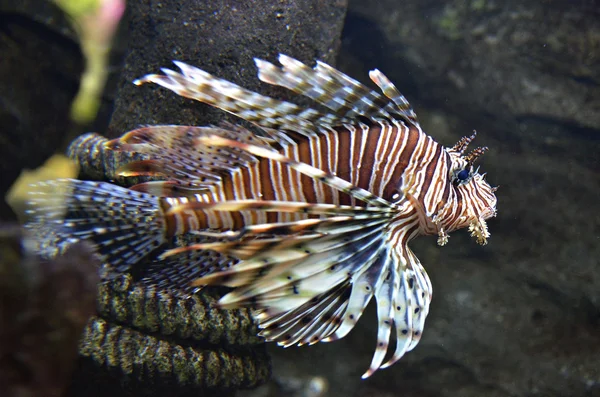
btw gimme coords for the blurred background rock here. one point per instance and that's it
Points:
(44, 306)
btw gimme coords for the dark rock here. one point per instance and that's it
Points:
(39, 76)
(221, 38)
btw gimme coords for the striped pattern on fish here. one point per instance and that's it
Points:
(315, 210)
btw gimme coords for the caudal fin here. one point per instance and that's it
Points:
(125, 225)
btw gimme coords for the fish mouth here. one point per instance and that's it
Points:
(488, 212)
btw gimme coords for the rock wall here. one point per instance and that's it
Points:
(221, 37)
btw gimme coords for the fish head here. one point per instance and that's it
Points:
(472, 199)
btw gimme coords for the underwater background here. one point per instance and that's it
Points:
(517, 317)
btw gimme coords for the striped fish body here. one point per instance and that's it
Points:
(395, 162)
(316, 208)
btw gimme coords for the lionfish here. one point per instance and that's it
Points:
(313, 208)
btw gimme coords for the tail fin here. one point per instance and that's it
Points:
(125, 225)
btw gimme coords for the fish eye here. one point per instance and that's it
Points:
(463, 175)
